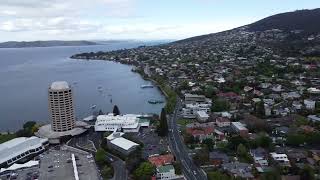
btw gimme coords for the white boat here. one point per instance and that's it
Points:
(147, 86)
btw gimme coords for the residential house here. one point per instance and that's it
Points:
(218, 158)
(223, 122)
(166, 172)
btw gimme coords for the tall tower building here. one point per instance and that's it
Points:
(61, 108)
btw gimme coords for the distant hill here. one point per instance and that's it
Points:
(306, 20)
(24, 44)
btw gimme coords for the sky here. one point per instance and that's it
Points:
(29, 20)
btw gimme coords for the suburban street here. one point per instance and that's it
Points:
(189, 169)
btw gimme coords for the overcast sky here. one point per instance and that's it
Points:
(26, 20)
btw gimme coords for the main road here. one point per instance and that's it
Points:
(189, 169)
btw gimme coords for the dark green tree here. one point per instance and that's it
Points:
(271, 175)
(116, 110)
(163, 126)
(214, 175)
(220, 105)
(144, 171)
(100, 157)
(209, 143)
(177, 168)
(307, 173)
(107, 172)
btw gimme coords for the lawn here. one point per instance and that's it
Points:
(184, 122)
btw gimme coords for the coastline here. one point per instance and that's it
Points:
(169, 93)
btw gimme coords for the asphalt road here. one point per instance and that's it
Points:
(189, 169)
(119, 166)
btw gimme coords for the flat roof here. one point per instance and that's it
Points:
(202, 114)
(19, 166)
(239, 125)
(59, 85)
(123, 143)
(17, 146)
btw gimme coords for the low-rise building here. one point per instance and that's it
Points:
(120, 144)
(166, 172)
(125, 123)
(202, 116)
(310, 104)
(190, 111)
(21, 149)
(223, 122)
(194, 98)
(240, 129)
(282, 159)
(160, 160)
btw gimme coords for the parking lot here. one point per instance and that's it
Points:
(56, 164)
(153, 144)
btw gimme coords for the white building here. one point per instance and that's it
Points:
(166, 172)
(191, 109)
(202, 116)
(117, 142)
(280, 158)
(310, 104)
(125, 123)
(21, 148)
(194, 98)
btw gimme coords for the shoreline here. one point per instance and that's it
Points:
(143, 76)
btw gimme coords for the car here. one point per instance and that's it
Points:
(194, 172)
(51, 166)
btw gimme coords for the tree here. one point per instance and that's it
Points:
(177, 168)
(243, 154)
(163, 126)
(29, 125)
(259, 109)
(307, 173)
(295, 139)
(144, 171)
(116, 110)
(100, 157)
(209, 143)
(220, 105)
(201, 157)
(107, 172)
(271, 175)
(214, 175)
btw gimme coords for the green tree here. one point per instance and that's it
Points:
(271, 175)
(177, 168)
(307, 173)
(209, 143)
(220, 105)
(144, 171)
(215, 175)
(201, 157)
(243, 154)
(296, 139)
(116, 110)
(107, 172)
(28, 125)
(163, 126)
(100, 157)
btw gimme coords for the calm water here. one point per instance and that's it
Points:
(25, 75)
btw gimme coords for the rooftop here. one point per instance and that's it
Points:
(59, 85)
(165, 169)
(123, 143)
(18, 146)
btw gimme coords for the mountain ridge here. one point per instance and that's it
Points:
(52, 43)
